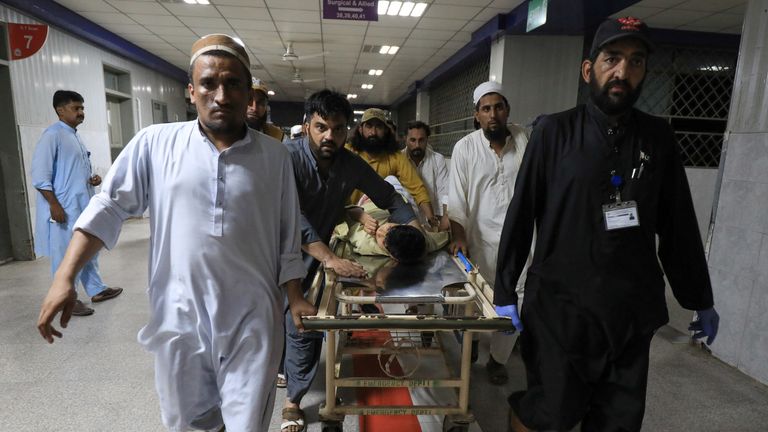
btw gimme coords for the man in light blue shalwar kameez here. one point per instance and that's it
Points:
(61, 172)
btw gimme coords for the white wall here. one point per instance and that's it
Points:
(539, 74)
(738, 257)
(66, 62)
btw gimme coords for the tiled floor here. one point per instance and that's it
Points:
(97, 378)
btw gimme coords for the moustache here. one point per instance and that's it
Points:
(624, 84)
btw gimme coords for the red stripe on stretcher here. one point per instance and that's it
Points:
(368, 365)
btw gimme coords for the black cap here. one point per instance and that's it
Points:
(615, 29)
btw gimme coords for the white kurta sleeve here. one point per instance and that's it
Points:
(458, 185)
(123, 194)
(291, 264)
(441, 189)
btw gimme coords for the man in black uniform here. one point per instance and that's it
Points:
(599, 182)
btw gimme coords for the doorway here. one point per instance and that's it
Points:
(15, 226)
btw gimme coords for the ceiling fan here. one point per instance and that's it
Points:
(298, 79)
(290, 55)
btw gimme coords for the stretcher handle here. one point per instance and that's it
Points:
(465, 261)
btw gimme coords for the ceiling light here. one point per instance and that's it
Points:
(351, 96)
(190, 1)
(203, 2)
(407, 8)
(419, 9)
(383, 5)
(384, 49)
(271, 92)
(393, 50)
(394, 8)
(376, 72)
(379, 72)
(367, 86)
(358, 112)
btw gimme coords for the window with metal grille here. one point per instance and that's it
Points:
(450, 103)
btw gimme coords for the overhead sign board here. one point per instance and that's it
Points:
(26, 39)
(537, 14)
(354, 10)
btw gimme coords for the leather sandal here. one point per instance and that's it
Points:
(107, 294)
(81, 309)
(293, 420)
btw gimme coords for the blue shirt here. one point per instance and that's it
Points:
(60, 164)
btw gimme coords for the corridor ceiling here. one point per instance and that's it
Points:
(167, 28)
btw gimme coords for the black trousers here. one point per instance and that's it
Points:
(606, 396)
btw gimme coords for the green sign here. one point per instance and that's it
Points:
(537, 14)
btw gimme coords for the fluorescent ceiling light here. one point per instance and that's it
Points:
(376, 72)
(394, 8)
(190, 1)
(351, 96)
(358, 112)
(271, 92)
(379, 72)
(393, 49)
(203, 2)
(383, 5)
(419, 9)
(384, 49)
(407, 8)
(367, 86)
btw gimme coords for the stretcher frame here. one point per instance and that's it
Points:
(473, 311)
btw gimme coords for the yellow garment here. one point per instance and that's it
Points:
(363, 243)
(394, 164)
(273, 131)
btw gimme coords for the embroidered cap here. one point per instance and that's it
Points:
(219, 42)
(615, 29)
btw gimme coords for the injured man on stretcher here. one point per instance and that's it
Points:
(396, 257)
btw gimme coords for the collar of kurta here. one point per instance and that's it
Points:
(245, 139)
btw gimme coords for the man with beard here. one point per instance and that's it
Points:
(375, 142)
(484, 166)
(256, 114)
(432, 169)
(599, 182)
(326, 175)
(224, 249)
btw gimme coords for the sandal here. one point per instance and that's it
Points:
(293, 420)
(497, 373)
(281, 382)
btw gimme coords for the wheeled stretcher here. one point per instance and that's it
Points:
(369, 317)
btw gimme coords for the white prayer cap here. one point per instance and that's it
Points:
(485, 88)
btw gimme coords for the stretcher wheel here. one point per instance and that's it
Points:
(452, 426)
(331, 427)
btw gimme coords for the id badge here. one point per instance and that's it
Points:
(620, 215)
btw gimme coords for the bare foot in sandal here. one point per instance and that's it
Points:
(293, 420)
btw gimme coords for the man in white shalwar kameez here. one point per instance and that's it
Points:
(484, 166)
(224, 239)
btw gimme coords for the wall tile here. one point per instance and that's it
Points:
(754, 351)
(735, 250)
(746, 157)
(732, 304)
